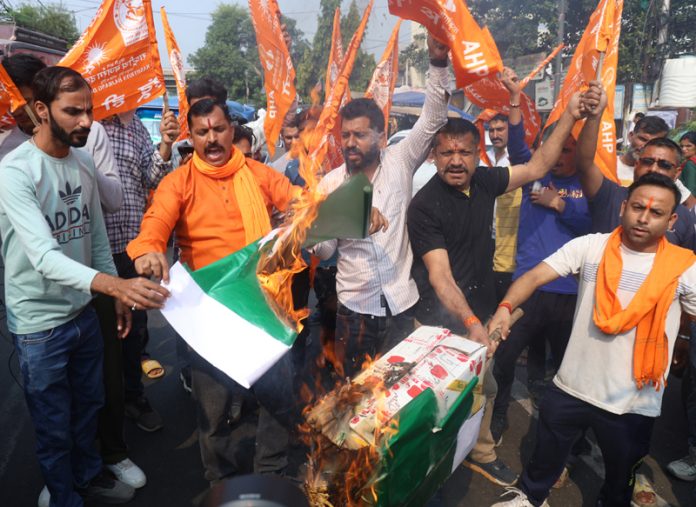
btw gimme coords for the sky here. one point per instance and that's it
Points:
(189, 21)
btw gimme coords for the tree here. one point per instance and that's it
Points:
(50, 19)
(312, 69)
(230, 54)
(415, 55)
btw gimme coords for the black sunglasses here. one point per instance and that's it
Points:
(662, 164)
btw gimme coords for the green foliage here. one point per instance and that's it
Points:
(51, 19)
(415, 55)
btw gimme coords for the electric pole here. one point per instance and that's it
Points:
(558, 73)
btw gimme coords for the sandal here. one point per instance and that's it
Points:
(152, 368)
(643, 493)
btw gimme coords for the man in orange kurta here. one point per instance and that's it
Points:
(217, 203)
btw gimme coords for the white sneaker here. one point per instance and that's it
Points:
(520, 499)
(129, 473)
(44, 497)
(685, 468)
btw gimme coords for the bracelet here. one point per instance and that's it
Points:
(684, 336)
(514, 105)
(439, 63)
(507, 305)
(470, 321)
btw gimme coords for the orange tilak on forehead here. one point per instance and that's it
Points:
(650, 203)
(210, 125)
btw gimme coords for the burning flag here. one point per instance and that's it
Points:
(118, 57)
(237, 313)
(11, 99)
(177, 63)
(278, 71)
(381, 86)
(597, 53)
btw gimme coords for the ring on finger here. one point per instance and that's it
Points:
(133, 307)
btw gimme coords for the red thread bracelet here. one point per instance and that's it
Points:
(506, 304)
(470, 321)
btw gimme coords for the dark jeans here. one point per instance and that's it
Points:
(547, 317)
(502, 284)
(220, 435)
(359, 335)
(300, 298)
(623, 439)
(134, 344)
(110, 425)
(62, 373)
(689, 383)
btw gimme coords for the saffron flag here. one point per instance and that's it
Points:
(600, 37)
(118, 57)
(381, 86)
(543, 64)
(334, 156)
(278, 71)
(177, 63)
(10, 98)
(449, 21)
(485, 116)
(324, 141)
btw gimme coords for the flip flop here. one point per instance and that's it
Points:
(152, 368)
(643, 493)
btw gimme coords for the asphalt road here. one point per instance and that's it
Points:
(172, 463)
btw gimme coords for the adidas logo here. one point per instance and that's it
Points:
(70, 195)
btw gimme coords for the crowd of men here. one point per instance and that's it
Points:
(604, 273)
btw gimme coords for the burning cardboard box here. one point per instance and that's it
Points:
(390, 436)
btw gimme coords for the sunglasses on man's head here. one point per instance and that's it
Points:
(662, 164)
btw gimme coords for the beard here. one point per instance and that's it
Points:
(366, 159)
(77, 138)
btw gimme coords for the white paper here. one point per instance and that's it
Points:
(466, 438)
(224, 339)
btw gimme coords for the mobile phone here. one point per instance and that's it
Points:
(185, 151)
(536, 187)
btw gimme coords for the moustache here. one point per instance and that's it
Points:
(352, 151)
(211, 147)
(81, 131)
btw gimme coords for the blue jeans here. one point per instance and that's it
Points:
(62, 373)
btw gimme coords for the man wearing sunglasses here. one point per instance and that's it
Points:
(605, 197)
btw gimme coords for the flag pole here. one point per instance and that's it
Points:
(165, 102)
(600, 64)
(31, 115)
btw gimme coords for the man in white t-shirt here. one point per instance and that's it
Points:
(633, 285)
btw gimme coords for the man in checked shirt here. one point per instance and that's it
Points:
(141, 168)
(375, 290)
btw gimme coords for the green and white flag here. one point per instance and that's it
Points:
(223, 313)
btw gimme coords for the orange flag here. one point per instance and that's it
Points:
(278, 71)
(177, 63)
(339, 94)
(336, 54)
(10, 99)
(118, 57)
(450, 22)
(485, 116)
(318, 141)
(600, 37)
(381, 86)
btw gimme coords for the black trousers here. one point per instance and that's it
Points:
(110, 422)
(547, 317)
(134, 344)
(623, 439)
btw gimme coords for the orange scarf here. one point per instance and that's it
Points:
(647, 311)
(255, 217)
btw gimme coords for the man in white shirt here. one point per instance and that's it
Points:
(633, 285)
(374, 284)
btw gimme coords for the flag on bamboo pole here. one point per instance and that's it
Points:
(381, 87)
(542, 65)
(450, 22)
(278, 71)
(11, 98)
(177, 63)
(601, 36)
(117, 54)
(336, 55)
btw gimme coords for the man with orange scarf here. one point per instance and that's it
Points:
(217, 203)
(633, 285)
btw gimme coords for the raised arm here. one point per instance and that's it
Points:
(591, 177)
(450, 295)
(518, 151)
(547, 155)
(413, 150)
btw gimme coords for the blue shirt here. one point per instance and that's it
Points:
(542, 230)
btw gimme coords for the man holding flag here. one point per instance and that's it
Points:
(217, 203)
